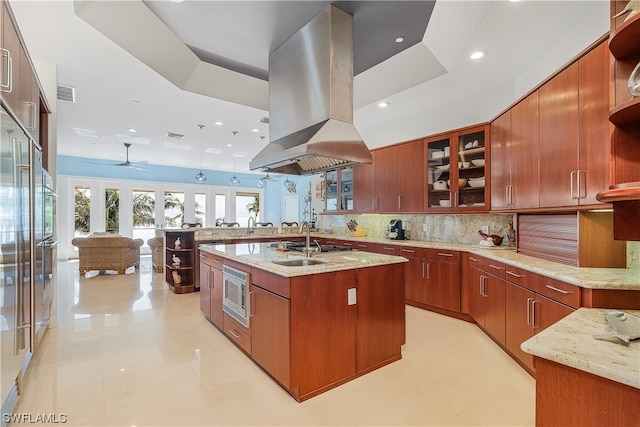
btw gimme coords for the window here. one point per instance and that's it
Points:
(247, 204)
(201, 208)
(143, 211)
(82, 211)
(112, 210)
(173, 209)
(221, 205)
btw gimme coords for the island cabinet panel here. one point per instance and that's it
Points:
(237, 333)
(380, 316)
(323, 331)
(566, 396)
(211, 288)
(270, 333)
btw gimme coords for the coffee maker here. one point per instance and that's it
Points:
(395, 230)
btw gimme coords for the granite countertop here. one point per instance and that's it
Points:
(570, 342)
(590, 278)
(262, 255)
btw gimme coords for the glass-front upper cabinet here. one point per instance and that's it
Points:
(339, 190)
(457, 165)
(473, 177)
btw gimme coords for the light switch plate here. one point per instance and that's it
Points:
(351, 296)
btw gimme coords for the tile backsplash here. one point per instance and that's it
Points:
(633, 255)
(453, 228)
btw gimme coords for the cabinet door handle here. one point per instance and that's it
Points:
(6, 87)
(533, 313)
(386, 248)
(362, 246)
(562, 291)
(511, 273)
(571, 177)
(529, 300)
(506, 195)
(234, 334)
(32, 115)
(399, 202)
(474, 259)
(347, 244)
(482, 285)
(409, 251)
(582, 194)
(250, 304)
(495, 267)
(444, 254)
(209, 280)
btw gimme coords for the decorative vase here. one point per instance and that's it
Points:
(177, 243)
(634, 81)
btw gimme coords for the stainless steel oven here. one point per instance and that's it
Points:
(235, 298)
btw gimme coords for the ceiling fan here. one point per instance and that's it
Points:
(126, 163)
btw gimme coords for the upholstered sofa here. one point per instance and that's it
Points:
(156, 244)
(107, 252)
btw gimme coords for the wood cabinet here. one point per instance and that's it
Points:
(432, 278)
(456, 165)
(376, 185)
(180, 261)
(211, 288)
(624, 191)
(515, 156)
(19, 84)
(270, 333)
(364, 182)
(410, 191)
(574, 130)
(486, 293)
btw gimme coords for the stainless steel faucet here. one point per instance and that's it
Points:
(249, 230)
(308, 250)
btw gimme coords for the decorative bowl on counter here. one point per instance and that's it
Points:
(477, 162)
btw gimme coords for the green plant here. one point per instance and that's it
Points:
(254, 207)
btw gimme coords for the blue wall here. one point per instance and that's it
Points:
(274, 191)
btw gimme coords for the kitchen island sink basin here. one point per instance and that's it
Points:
(299, 262)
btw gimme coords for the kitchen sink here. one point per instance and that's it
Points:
(299, 262)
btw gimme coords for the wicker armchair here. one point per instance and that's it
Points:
(156, 244)
(107, 252)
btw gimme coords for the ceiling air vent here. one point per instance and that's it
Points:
(174, 135)
(66, 93)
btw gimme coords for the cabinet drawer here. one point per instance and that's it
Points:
(487, 265)
(237, 333)
(444, 255)
(522, 277)
(413, 252)
(559, 291)
(388, 249)
(211, 259)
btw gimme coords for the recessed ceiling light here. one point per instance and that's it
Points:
(399, 39)
(177, 1)
(383, 104)
(255, 130)
(132, 130)
(477, 54)
(218, 123)
(229, 145)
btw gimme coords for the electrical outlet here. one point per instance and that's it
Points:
(485, 229)
(425, 227)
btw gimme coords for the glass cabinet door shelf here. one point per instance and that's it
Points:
(439, 174)
(339, 190)
(472, 170)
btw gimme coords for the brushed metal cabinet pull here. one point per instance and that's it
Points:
(399, 202)
(473, 259)
(511, 273)
(533, 313)
(529, 311)
(8, 86)
(386, 248)
(234, 334)
(581, 194)
(409, 251)
(562, 291)
(495, 267)
(571, 177)
(423, 275)
(251, 305)
(443, 254)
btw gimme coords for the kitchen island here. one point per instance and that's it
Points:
(315, 327)
(583, 381)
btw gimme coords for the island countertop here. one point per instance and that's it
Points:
(262, 256)
(571, 342)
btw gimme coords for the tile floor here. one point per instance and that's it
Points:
(128, 352)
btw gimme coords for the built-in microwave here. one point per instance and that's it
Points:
(235, 294)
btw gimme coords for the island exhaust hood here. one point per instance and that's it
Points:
(311, 100)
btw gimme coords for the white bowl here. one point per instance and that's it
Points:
(479, 178)
(478, 162)
(437, 154)
(445, 203)
(476, 183)
(443, 167)
(463, 165)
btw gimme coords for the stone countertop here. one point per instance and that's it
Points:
(570, 342)
(262, 255)
(589, 278)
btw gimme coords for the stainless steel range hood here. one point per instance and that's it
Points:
(311, 100)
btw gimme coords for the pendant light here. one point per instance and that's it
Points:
(234, 179)
(201, 178)
(263, 181)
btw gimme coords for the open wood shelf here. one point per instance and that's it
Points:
(626, 113)
(623, 192)
(624, 40)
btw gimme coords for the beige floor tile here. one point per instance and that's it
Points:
(128, 352)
